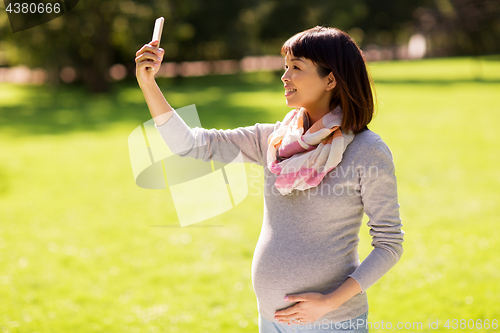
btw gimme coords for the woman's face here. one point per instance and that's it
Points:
(303, 85)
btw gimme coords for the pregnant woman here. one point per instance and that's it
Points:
(323, 169)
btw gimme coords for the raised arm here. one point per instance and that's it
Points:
(148, 60)
(218, 145)
(200, 143)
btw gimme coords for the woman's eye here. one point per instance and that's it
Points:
(295, 67)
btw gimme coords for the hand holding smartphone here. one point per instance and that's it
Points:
(149, 57)
(157, 33)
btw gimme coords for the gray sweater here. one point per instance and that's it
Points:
(309, 239)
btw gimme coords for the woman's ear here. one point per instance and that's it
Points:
(331, 82)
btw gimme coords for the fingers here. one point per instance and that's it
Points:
(148, 57)
(286, 317)
(144, 61)
(147, 64)
(148, 48)
(149, 54)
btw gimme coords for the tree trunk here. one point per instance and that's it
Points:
(53, 78)
(96, 71)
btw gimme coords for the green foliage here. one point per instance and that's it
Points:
(83, 249)
(97, 34)
(460, 27)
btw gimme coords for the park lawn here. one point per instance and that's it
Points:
(84, 249)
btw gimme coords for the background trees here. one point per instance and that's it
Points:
(96, 34)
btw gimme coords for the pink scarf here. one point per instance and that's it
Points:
(302, 160)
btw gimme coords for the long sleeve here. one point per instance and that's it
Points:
(380, 201)
(217, 145)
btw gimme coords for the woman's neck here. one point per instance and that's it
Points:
(316, 114)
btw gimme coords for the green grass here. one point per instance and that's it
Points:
(80, 246)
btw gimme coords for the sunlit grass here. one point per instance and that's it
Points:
(82, 248)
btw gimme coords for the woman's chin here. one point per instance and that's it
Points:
(290, 104)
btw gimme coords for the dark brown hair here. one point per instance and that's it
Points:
(333, 50)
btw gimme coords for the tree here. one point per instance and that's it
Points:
(87, 38)
(461, 27)
(96, 34)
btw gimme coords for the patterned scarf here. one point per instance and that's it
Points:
(302, 160)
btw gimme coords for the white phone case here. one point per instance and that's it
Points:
(158, 29)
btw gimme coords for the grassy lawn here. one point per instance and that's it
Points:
(83, 249)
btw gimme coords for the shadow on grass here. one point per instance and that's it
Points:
(38, 110)
(46, 110)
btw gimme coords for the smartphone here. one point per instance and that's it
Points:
(158, 29)
(157, 33)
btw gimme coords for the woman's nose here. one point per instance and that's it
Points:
(285, 77)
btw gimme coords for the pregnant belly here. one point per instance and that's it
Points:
(295, 264)
(282, 268)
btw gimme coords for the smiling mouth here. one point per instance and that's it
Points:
(288, 92)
